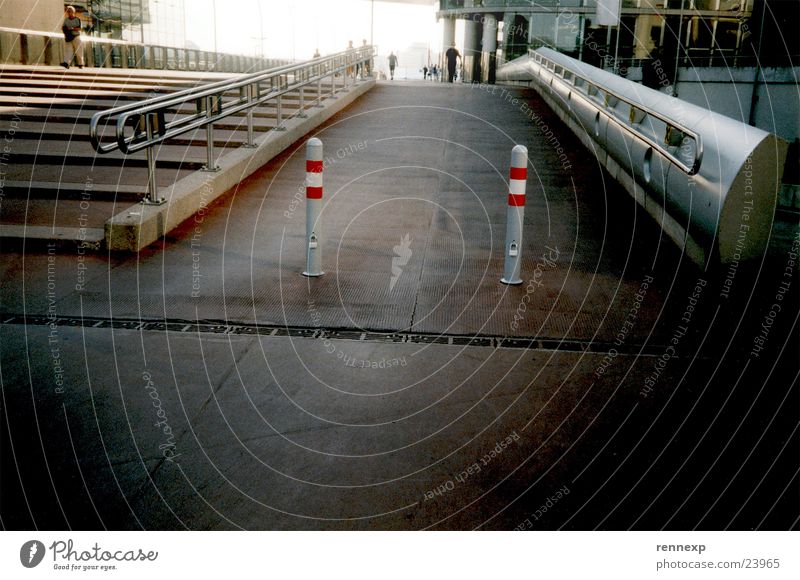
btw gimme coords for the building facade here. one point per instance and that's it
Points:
(697, 33)
(736, 57)
(153, 22)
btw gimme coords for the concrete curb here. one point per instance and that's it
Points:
(141, 225)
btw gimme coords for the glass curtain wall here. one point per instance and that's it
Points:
(156, 22)
(696, 32)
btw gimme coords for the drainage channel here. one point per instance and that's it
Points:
(237, 328)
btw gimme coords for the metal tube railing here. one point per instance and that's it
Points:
(150, 126)
(584, 91)
(653, 144)
(24, 46)
(136, 141)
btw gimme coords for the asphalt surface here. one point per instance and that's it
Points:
(206, 384)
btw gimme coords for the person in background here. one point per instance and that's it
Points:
(392, 64)
(350, 69)
(72, 38)
(316, 53)
(425, 73)
(451, 55)
(366, 67)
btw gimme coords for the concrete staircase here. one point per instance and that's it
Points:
(55, 187)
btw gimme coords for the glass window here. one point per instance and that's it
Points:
(543, 30)
(568, 33)
(726, 34)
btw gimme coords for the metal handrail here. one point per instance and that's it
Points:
(150, 126)
(162, 102)
(126, 51)
(686, 168)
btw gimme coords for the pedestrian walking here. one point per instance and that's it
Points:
(350, 70)
(366, 69)
(72, 38)
(424, 73)
(392, 64)
(452, 55)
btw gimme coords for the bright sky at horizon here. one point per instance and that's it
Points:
(295, 28)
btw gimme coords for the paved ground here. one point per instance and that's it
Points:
(208, 385)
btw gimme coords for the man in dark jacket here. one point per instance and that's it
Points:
(451, 55)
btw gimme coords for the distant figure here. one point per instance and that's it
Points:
(392, 64)
(365, 66)
(316, 53)
(72, 38)
(350, 47)
(452, 55)
(424, 73)
(435, 73)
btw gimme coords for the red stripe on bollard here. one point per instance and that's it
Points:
(518, 173)
(314, 166)
(516, 200)
(314, 192)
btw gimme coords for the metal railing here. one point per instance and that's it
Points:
(653, 144)
(675, 133)
(32, 47)
(145, 124)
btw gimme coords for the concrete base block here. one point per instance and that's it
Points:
(141, 225)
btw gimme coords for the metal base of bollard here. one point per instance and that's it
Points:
(310, 275)
(511, 282)
(208, 169)
(249, 146)
(159, 201)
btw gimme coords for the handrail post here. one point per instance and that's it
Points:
(319, 86)
(210, 165)
(249, 89)
(151, 197)
(279, 106)
(302, 113)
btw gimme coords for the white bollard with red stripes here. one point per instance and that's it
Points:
(516, 214)
(313, 207)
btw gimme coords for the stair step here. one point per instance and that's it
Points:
(103, 161)
(73, 191)
(40, 235)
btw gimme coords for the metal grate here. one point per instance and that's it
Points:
(241, 328)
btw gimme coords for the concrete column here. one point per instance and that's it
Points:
(448, 32)
(448, 40)
(472, 48)
(489, 49)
